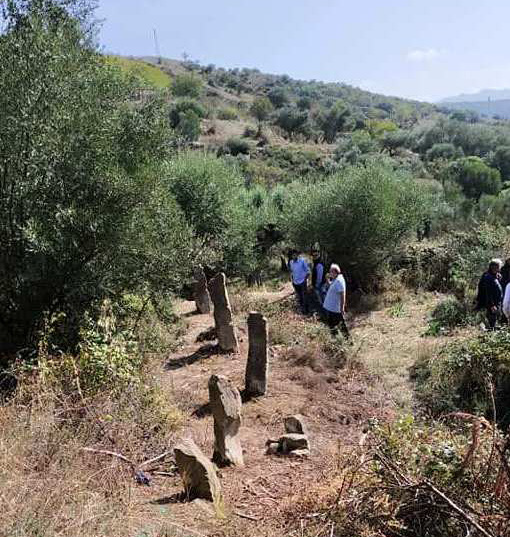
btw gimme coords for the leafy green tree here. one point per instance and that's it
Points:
(291, 120)
(475, 177)
(187, 85)
(73, 153)
(333, 120)
(261, 109)
(353, 147)
(358, 216)
(189, 126)
(501, 161)
(279, 97)
(185, 105)
(446, 151)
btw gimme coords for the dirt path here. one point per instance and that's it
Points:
(336, 403)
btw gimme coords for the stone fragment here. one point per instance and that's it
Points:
(197, 472)
(201, 292)
(272, 448)
(225, 402)
(300, 453)
(257, 365)
(295, 424)
(293, 441)
(225, 331)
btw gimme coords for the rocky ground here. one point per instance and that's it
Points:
(337, 402)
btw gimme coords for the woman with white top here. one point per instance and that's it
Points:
(334, 303)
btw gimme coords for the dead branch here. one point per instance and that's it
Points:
(111, 454)
(155, 459)
(457, 509)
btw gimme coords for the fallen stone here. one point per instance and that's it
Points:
(223, 319)
(257, 364)
(225, 403)
(300, 453)
(293, 441)
(272, 448)
(295, 424)
(197, 472)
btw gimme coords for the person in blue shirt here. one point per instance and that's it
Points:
(299, 273)
(334, 303)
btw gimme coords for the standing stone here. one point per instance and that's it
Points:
(257, 365)
(225, 331)
(197, 472)
(295, 424)
(225, 403)
(200, 291)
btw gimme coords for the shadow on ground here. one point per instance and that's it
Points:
(204, 352)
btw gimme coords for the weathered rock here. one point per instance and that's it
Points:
(295, 424)
(225, 331)
(257, 365)
(293, 441)
(225, 403)
(201, 292)
(272, 447)
(300, 453)
(197, 472)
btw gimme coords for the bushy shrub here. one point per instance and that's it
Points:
(187, 85)
(359, 217)
(449, 313)
(185, 105)
(189, 126)
(236, 146)
(227, 114)
(464, 374)
(475, 177)
(72, 173)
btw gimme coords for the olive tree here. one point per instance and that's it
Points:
(75, 161)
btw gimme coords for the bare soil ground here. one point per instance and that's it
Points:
(337, 402)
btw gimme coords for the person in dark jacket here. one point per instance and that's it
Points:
(490, 293)
(318, 276)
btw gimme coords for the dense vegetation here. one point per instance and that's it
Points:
(116, 181)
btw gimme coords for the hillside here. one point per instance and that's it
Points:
(479, 96)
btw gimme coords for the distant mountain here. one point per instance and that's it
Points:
(492, 109)
(482, 95)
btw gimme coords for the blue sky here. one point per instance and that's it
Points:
(423, 49)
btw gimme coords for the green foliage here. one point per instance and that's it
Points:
(449, 313)
(189, 126)
(261, 109)
(291, 120)
(475, 177)
(236, 146)
(329, 214)
(352, 147)
(463, 375)
(501, 161)
(445, 151)
(187, 85)
(333, 120)
(279, 97)
(227, 114)
(182, 106)
(72, 157)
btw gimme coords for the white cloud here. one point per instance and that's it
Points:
(423, 55)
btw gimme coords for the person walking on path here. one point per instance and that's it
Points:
(299, 272)
(490, 293)
(318, 276)
(334, 303)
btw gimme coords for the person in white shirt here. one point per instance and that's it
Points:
(334, 303)
(299, 272)
(506, 302)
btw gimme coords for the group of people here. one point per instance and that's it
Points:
(328, 288)
(494, 293)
